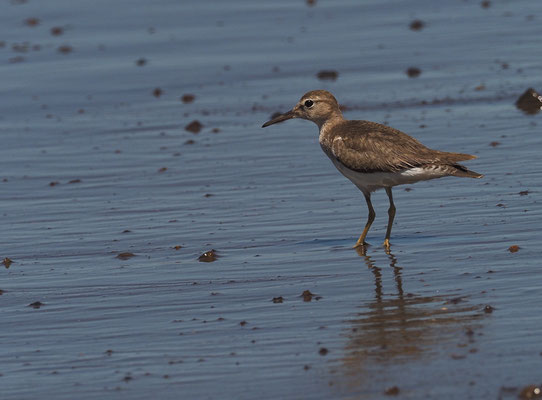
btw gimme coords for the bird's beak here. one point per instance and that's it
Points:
(282, 117)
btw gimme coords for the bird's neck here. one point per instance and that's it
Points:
(326, 131)
(330, 122)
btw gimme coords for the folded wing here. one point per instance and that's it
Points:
(365, 146)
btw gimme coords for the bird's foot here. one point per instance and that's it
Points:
(387, 244)
(360, 244)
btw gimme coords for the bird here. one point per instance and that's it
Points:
(371, 155)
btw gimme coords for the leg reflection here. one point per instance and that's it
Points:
(399, 326)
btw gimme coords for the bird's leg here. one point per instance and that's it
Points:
(370, 219)
(391, 215)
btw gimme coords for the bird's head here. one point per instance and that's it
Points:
(317, 106)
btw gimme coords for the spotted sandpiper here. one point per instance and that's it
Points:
(371, 155)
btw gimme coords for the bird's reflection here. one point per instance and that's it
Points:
(400, 327)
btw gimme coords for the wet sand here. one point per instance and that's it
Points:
(113, 197)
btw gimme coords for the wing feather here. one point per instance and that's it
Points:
(370, 147)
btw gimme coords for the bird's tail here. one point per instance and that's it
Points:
(462, 171)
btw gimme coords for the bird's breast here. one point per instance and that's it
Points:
(326, 141)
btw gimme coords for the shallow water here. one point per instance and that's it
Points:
(280, 217)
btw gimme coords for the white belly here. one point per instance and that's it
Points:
(369, 182)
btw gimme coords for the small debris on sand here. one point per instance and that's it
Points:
(392, 391)
(208, 256)
(194, 126)
(413, 72)
(57, 31)
(530, 102)
(417, 25)
(125, 256)
(65, 49)
(531, 392)
(327, 75)
(188, 98)
(308, 296)
(32, 21)
(514, 248)
(488, 309)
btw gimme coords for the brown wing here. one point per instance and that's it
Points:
(370, 147)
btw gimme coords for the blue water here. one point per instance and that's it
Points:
(280, 217)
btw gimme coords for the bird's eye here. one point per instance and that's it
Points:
(309, 103)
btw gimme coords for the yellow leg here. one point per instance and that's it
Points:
(391, 216)
(370, 219)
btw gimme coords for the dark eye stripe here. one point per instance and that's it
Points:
(308, 103)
